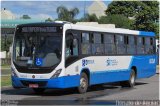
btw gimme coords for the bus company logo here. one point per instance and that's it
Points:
(111, 62)
(86, 62)
(152, 61)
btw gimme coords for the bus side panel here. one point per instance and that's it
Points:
(102, 69)
(146, 65)
(111, 76)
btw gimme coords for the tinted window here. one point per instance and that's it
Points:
(109, 44)
(121, 48)
(97, 38)
(85, 45)
(108, 38)
(131, 47)
(110, 49)
(149, 47)
(86, 48)
(85, 37)
(140, 45)
(97, 46)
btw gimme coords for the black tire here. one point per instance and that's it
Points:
(131, 82)
(83, 83)
(39, 90)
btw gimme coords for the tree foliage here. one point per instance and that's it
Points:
(146, 19)
(145, 13)
(6, 43)
(126, 8)
(120, 21)
(25, 17)
(48, 20)
(65, 14)
(89, 18)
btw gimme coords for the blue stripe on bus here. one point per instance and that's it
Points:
(144, 69)
(143, 33)
(109, 76)
(60, 82)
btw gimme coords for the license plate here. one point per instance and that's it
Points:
(33, 85)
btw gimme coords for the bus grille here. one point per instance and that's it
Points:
(40, 83)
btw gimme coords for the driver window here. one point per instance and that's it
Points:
(68, 47)
(71, 46)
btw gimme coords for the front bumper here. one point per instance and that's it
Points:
(60, 82)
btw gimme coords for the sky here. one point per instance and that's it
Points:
(45, 9)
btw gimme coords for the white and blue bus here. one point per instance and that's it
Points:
(66, 55)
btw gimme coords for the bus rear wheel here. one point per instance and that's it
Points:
(38, 90)
(131, 82)
(83, 83)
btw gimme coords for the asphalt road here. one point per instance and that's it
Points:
(145, 89)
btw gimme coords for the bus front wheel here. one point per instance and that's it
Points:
(83, 83)
(131, 81)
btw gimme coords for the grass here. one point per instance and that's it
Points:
(5, 66)
(5, 81)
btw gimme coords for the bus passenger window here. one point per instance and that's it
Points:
(140, 46)
(85, 37)
(131, 47)
(85, 45)
(109, 44)
(97, 46)
(121, 47)
(152, 45)
(148, 45)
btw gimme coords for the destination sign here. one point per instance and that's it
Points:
(39, 29)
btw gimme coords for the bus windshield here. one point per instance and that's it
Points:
(37, 49)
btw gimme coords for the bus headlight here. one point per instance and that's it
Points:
(56, 74)
(13, 72)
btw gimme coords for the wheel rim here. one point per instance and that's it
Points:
(83, 83)
(133, 78)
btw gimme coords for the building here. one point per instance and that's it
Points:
(8, 25)
(9, 22)
(98, 8)
(6, 14)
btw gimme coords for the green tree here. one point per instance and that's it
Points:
(67, 15)
(6, 43)
(126, 8)
(120, 21)
(25, 17)
(89, 18)
(48, 20)
(147, 18)
(145, 13)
